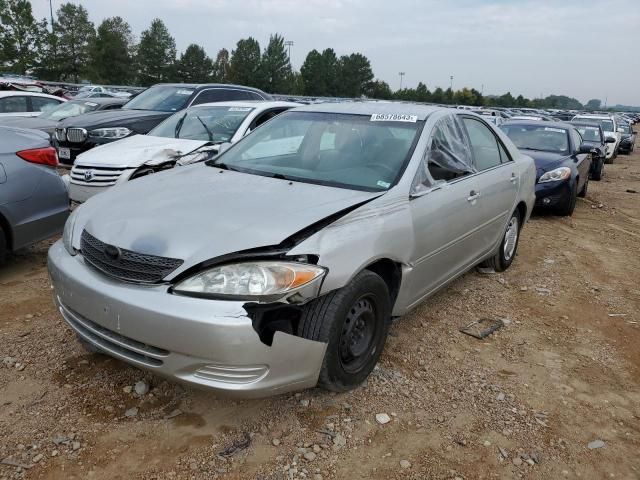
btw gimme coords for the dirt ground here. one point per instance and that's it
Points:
(526, 402)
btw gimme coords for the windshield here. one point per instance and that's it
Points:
(534, 137)
(360, 152)
(606, 124)
(69, 109)
(589, 134)
(161, 98)
(213, 124)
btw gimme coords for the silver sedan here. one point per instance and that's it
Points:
(279, 264)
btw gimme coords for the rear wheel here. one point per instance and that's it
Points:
(508, 247)
(567, 209)
(353, 321)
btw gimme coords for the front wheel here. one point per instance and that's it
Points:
(567, 209)
(508, 247)
(353, 321)
(597, 173)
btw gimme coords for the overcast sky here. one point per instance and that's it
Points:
(581, 48)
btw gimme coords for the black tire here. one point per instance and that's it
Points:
(3, 246)
(583, 192)
(500, 261)
(597, 173)
(354, 322)
(567, 210)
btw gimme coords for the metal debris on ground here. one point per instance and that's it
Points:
(482, 328)
(236, 446)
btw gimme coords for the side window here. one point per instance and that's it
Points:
(213, 95)
(254, 96)
(504, 155)
(15, 104)
(447, 156)
(577, 138)
(42, 104)
(483, 143)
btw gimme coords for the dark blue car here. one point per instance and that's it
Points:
(563, 161)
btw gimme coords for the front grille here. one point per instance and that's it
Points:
(76, 135)
(95, 176)
(61, 134)
(128, 266)
(114, 342)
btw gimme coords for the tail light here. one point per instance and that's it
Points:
(43, 156)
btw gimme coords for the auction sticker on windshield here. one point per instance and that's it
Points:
(240, 109)
(393, 117)
(184, 92)
(550, 129)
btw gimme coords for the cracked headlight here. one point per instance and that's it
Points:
(67, 234)
(259, 281)
(556, 175)
(112, 132)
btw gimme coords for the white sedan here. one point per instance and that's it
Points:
(189, 136)
(17, 103)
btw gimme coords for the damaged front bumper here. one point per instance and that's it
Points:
(210, 343)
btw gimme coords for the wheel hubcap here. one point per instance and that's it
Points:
(358, 334)
(511, 239)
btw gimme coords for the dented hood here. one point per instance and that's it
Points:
(197, 212)
(138, 150)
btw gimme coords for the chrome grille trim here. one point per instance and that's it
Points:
(61, 134)
(101, 176)
(76, 135)
(113, 342)
(131, 266)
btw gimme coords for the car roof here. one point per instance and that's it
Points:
(598, 117)
(370, 108)
(13, 93)
(202, 85)
(249, 104)
(536, 123)
(101, 100)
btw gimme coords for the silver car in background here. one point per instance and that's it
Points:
(33, 199)
(279, 264)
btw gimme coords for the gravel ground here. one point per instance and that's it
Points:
(554, 394)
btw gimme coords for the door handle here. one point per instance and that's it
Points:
(473, 196)
(513, 179)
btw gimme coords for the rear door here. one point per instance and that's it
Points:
(498, 181)
(15, 105)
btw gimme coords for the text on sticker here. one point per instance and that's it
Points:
(393, 117)
(239, 109)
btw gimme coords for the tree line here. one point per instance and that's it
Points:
(72, 49)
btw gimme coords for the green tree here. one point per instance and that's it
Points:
(20, 36)
(379, 89)
(112, 52)
(593, 104)
(319, 73)
(194, 66)
(438, 96)
(221, 67)
(422, 93)
(156, 54)
(354, 74)
(275, 67)
(75, 36)
(245, 63)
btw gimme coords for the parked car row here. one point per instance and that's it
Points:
(287, 236)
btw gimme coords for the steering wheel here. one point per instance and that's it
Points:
(386, 168)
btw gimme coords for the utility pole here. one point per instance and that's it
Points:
(51, 11)
(451, 84)
(402, 74)
(289, 44)
(482, 90)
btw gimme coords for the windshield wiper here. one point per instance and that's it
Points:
(209, 132)
(179, 125)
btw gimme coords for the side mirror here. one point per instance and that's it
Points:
(584, 148)
(610, 140)
(224, 147)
